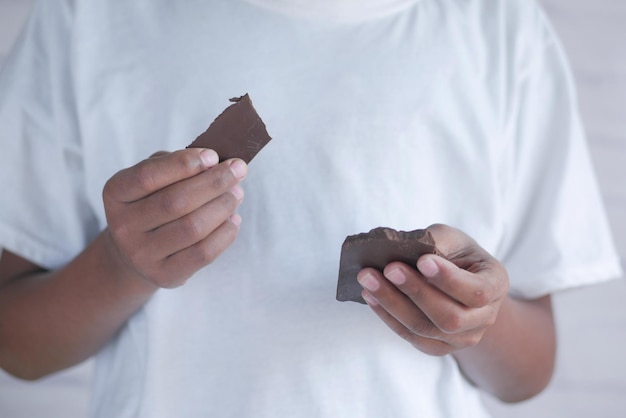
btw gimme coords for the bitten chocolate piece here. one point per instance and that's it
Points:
(238, 132)
(376, 249)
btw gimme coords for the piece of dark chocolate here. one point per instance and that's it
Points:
(376, 249)
(238, 132)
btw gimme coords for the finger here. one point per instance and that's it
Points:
(182, 198)
(186, 262)
(431, 346)
(435, 344)
(397, 304)
(475, 289)
(447, 314)
(195, 226)
(157, 172)
(490, 279)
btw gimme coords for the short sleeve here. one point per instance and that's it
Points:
(44, 216)
(557, 233)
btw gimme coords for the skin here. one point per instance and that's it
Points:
(174, 213)
(168, 216)
(459, 305)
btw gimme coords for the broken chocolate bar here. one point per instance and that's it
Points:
(376, 249)
(238, 132)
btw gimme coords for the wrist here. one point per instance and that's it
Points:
(126, 278)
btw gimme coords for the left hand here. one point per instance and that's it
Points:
(444, 305)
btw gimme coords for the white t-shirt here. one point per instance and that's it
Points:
(453, 111)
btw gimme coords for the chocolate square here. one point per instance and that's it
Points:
(376, 249)
(238, 132)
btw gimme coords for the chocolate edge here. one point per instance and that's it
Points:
(258, 124)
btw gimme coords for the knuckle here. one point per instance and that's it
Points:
(108, 191)
(219, 182)
(207, 250)
(222, 179)
(188, 162)
(120, 231)
(492, 317)
(451, 324)
(209, 255)
(143, 176)
(192, 227)
(228, 202)
(480, 298)
(122, 234)
(470, 340)
(173, 204)
(205, 254)
(115, 187)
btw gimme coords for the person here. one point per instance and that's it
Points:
(456, 114)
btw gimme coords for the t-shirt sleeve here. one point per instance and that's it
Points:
(44, 216)
(557, 233)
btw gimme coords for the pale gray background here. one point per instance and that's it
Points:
(590, 380)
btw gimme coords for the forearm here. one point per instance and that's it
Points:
(53, 320)
(515, 358)
(168, 216)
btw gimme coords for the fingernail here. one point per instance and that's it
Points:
(239, 168)
(428, 267)
(396, 276)
(237, 191)
(209, 157)
(236, 219)
(369, 282)
(369, 299)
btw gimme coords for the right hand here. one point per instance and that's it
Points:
(173, 213)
